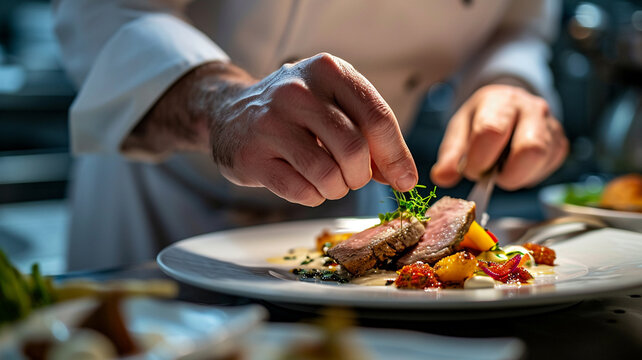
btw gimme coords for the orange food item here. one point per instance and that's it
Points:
(623, 193)
(332, 238)
(477, 238)
(417, 276)
(542, 254)
(456, 268)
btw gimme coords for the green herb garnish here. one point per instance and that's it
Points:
(410, 204)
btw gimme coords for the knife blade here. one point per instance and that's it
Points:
(481, 193)
(483, 188)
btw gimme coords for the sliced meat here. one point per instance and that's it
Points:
(371, 247)
(449, 221)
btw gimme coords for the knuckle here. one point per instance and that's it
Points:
(336, 120)
(380, 117)
(488, 128)
(392, 159)
(327, 176)
(540, 105)
(324, 171)
(291, 90)
(355, 147)
(327, 62)
(535, 148)
(304, 161)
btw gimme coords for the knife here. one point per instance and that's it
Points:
(483, 188)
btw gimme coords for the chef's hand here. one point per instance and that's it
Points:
(481, 129)
(310, 131)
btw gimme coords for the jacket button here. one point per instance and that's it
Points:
(412, 82)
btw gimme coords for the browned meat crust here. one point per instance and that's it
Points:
(371, 247)
(449, 221)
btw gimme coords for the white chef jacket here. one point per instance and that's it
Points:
(124, 54)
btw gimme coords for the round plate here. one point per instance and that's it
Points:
(552, 197)
(234, 262)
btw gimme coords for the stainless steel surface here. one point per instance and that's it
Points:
(483, 189)
(481, 193)
(559, 229)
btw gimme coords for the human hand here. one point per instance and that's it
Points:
(481, 129)
(310, 131)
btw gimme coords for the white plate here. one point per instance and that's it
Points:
(382, 344)
(234, 262)
(169, 329)
(552, 198)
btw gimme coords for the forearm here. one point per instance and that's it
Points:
(183, 117)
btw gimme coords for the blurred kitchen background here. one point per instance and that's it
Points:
(598, 70)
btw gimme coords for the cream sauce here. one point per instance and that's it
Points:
(375, 277)
(303, 258)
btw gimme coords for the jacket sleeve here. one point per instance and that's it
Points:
(122, 56)
(519, 49)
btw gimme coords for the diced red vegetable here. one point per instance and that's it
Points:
(417, 276)
(519, 276)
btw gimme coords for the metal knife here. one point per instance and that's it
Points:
(483, 188)
(481, 193)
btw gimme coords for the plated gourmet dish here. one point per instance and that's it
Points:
(421, 247)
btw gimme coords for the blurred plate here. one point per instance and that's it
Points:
(271, 341)
(166, 329)
(234, 262)
(552, 198)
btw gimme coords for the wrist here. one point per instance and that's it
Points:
(182, 117)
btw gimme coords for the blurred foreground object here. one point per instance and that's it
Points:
(21, 294)
(336, 342)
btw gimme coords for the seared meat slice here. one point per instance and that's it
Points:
(365, 250)
(449, 221)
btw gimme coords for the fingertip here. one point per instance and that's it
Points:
(407, 181)
(313, 203)
(508, 184)
(444, 175)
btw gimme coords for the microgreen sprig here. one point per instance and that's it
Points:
(409, 204)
